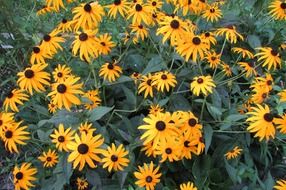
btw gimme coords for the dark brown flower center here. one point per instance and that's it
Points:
(149, 179)
(164, 77)
(250, 64)
(212, 10)
(29, 73)
(110, 66)
(60, 74)
(202, 140)
(49, 159)
(192, 122)
(274, 52)
(149, 81)
(196, 41)
(64, 21)
(81, 183)
(268, 117)
(213, 58)
(8, 134)
(36, 49)
(138, 7)
(154, 3)
(283, 5)
(83, 37)
(175, 24)
(135, 74)
(140, 26)
(1, 122)
(10, 95)
(264, 95)
(61, 139)
(47, 38)
(189, 2)
(117, 2)
(200, 80)
(230, 27)
(207, 34)
(82, 148)
(103, 43)
(160, 125)
(154, 15)
(186, 144)
(269, 82)
(168, 150)
(87, 7)
(61, 88)
(114, 158)
(19, 175)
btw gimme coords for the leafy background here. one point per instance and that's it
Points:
(122, 110)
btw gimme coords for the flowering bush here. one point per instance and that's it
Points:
(175, 94)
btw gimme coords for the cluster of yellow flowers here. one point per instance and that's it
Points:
(169, 136)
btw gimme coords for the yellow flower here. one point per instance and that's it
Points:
(261, 122)
(263, 82)
(65, 26)
(248, 67)
(190, 124)
(64, 93)
(269, 57)
(282, 96)
(280, 185)
(115, 158)
(234, 153)
(61, 73)
(136, 76)
(260, 95)
(188, 144)
(147, 176)
(104, 44)
(81, 183)
(86, 128)
(118, 6)
(140, 31)
(146, 85)
(13, 135)
(164, 80)
(148, 149)
(278, 9)
(13, 98)
(55, 3)
(155, 108)
(212, 13)
(5, 120)
(24, 176)
(34, 78)
(140, 14)
(85, 149)
(39, 55)
(281, 123)
(203, 84)
(62, 137)
(93, 98)
(209, 38)
(230, 34)
(244, 52)
(213, 59)
(226, 69)
(169, 149)
(52, 107)
(188, 186)
(87, 16)
(51, 42)
(49, 159)
(44, 10)
(110, 71)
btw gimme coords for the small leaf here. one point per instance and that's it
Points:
(253, 41)
(99, 112)
(208, 134)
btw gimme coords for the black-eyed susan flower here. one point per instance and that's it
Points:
(188, 6)
(39, 55)
(81, 183)
(213, 59)
(114, 158)
(192, 47)
(198, 141)
(244, 52)
(61, 73)
(93, 98)
(87, 15)
(105, 44)
(146, 85)
(172, 28)
(64, 94)
(61, 137)
(188, 186)
(209, 38)
(85, 150)
(226, 69)
(212, 13)
(86, 45)
(187, 145)
(230, 34)
(261, 122)
(263, 82)
(149, 150)
(155, 108)
(118, 6)
(260, 95)
(110, 71)
(140, 31)
(154, 5)
(24, 176)
(49, 158)
(51, 42)
(147, 176)
(65, 26)
(234, 153)
(57, 4)
(201, 4)
(280, 185)
(270, 57)
(140, 14)
(157, 128)
(164, 80)
(14, 98)
(13, 135)
(278, 9)
(281, 123)
(44, 10)
(202, 84)
(5, 120)
(34, 78)
(190, 124)
(52, 107)
(248, 67)
(169, 149)
(86, 128)
(282, 95)
(136, 77)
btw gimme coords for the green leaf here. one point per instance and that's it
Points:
(253, 41)
(214, 111)
(99, 112)
(121, 178)
(155, 64)
(232, 172)
(93, 178)
(208, 134)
